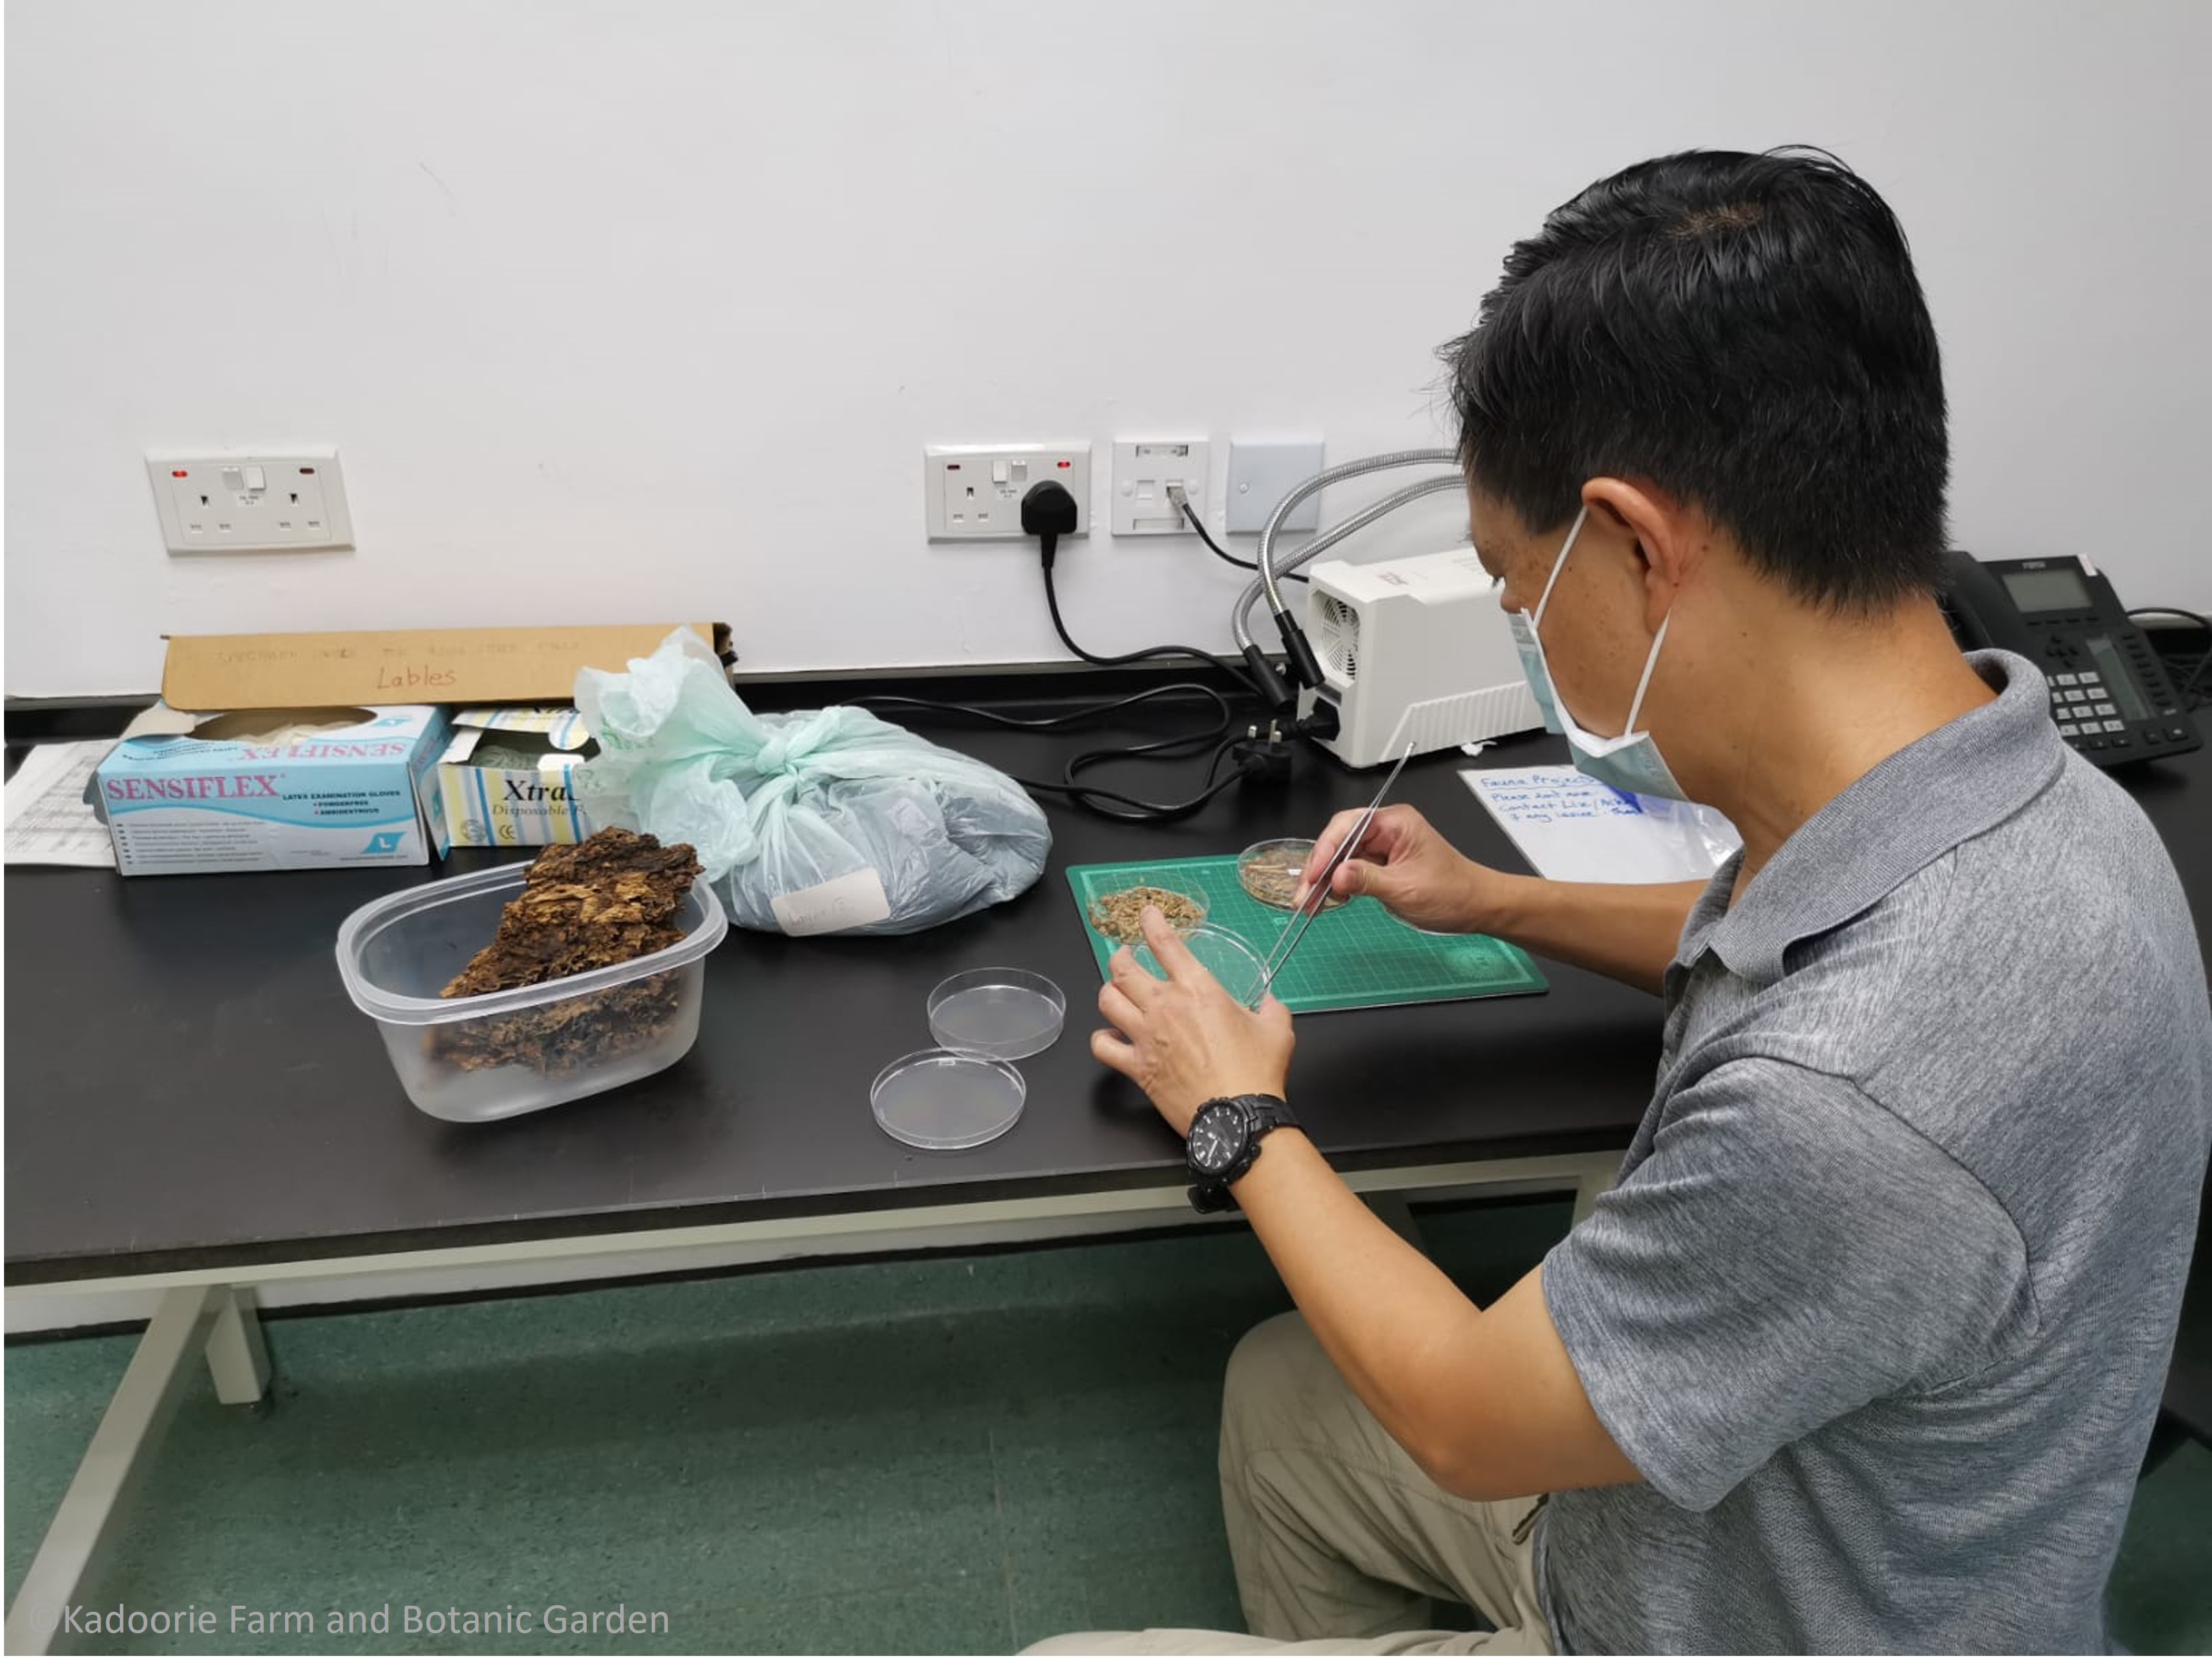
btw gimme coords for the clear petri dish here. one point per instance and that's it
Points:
(1272, 872)
(1228, 958)
(1008, 1013)
(947, 1098)
(1107, 909)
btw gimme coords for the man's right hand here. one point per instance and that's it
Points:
(1414, 873)
(1625, 932)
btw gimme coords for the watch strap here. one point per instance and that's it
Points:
(1211, 1197)
(1263, 1114)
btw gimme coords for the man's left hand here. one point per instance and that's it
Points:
(1184, 1041)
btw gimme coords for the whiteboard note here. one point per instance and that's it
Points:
(1571, 828)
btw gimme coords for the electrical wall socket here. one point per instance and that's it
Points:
(975, 492)
(1143, 473)
(250, 502)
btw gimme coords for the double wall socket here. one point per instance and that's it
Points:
(1143, 471)
(250, 502)
(975, 492)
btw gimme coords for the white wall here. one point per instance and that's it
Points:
(645, 310)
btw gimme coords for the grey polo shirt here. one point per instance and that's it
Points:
(1882, 1304)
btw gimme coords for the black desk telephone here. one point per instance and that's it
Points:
(2109, 695)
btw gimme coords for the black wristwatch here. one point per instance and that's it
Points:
(1224, 1140)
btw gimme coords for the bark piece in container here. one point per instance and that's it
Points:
(613, 898)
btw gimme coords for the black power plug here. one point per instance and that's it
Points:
(1266, 759)
(1049, 510)
(1259, 760)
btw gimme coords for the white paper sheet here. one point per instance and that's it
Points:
(1571, 828)
(48, 822)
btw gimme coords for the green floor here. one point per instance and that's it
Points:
(950, 1455)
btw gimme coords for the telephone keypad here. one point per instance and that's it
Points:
(2113, 703)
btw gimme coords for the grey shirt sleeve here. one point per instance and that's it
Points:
(1787, 1252)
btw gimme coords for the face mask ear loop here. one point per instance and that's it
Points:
(1644, 682)
(1581, 516)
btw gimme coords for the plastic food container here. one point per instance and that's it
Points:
(1009, 1013)
(471, 1059)
(1239, 968)
(1096, 889)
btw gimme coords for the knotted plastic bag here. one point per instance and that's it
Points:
(831, 822)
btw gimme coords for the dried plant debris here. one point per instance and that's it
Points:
(615, 897)
(569, 1036)
(1275, 876)
(1119, 916)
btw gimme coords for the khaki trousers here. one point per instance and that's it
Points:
(1339, 1541)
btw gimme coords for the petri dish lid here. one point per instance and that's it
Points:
(1007, 1013)
(1233, 961)
(947, 1098)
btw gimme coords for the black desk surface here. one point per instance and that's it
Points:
(188, 1085)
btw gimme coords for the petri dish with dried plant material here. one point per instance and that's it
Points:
(1117, 912)
(1272, 872)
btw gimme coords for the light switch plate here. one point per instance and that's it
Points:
(1260, 473)
(1143, 471)
(975, 492)
(287, 501)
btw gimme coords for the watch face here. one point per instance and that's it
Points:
(1216, 1140)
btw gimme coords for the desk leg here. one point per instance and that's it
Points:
(66, 1567)
(237, 1355)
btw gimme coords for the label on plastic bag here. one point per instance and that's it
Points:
(850, 901)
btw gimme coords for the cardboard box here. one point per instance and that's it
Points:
(188, 793)
(508, 802)
(364, 668)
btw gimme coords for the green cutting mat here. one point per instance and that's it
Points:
(1356, 957)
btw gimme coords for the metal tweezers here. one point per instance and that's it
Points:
(1315, 900)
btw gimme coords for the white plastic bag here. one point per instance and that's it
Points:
(1704, 837)
(832, 822)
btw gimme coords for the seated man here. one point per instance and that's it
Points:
(1862, 1350)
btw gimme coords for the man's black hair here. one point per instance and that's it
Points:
(1745, 332)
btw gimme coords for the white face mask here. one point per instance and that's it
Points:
(1630, 761)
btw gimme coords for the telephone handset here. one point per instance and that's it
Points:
(2109, 696)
